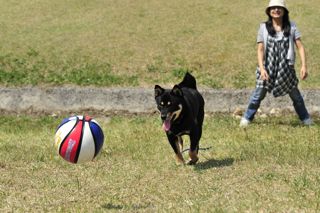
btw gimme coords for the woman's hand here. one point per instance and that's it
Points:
(264, 75)
(303, 72)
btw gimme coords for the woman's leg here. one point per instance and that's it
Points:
(298, 104)
(257, 96)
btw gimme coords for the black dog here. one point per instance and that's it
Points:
(182, 113)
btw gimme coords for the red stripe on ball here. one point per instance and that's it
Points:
(72, 143)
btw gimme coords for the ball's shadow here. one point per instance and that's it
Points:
(119, 207)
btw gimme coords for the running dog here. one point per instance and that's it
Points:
(182, 113)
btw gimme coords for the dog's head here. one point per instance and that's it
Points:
(169, 103)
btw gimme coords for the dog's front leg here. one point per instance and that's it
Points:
(175, 142)
(194, 148)
(180, 143)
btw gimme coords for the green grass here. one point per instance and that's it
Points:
(273, 166)
(140, 43)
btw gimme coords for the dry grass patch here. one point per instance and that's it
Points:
(126, 43)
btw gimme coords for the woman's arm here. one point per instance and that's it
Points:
(301, 50)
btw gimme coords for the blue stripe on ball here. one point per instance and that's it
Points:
(98, 137)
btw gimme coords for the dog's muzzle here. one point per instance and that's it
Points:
(169, 118)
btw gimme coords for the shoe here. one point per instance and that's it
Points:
(307, 122)
(244, 122)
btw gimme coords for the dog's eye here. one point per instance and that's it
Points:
(162, 103)
(169, 103)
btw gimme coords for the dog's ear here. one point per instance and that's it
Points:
(177, 91)
(158, 91)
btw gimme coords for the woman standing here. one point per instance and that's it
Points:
(276, 58)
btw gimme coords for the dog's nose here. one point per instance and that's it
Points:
(163, 117)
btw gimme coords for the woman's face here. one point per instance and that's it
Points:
(276, 12)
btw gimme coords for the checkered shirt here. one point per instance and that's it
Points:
(282, 76)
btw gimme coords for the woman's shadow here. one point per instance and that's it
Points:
(212, 163)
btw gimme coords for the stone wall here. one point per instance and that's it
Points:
(131, 100)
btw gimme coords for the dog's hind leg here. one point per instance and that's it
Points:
(175, 144)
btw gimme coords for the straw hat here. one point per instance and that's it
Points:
(276, 3)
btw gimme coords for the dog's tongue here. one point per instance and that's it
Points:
(166, 125)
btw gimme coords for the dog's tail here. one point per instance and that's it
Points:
(188, 81)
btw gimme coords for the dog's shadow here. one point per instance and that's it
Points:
(212, 163)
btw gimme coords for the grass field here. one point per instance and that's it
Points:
(273, 166)
(142, 42)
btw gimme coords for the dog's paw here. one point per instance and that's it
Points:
(180, 162)
(193, 158)
(192, 162)
(179, 159)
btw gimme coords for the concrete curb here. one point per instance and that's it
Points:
(131, 100)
